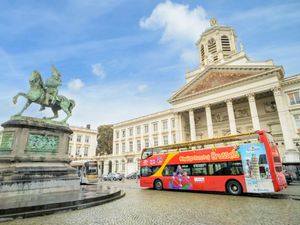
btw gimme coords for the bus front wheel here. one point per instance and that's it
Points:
(234, 187)
(158, 185)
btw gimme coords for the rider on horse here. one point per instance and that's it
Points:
(46, 95)
(51, 85)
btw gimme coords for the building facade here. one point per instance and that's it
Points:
(227, 94)
(83, 143)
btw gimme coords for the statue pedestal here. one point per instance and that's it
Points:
(34, 157)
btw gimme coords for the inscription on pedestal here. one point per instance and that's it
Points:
(42, 143)
(7, 141)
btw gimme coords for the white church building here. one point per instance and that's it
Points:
(227, 94)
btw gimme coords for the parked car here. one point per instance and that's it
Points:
(134, 175)
(288, 177)
(113, 176)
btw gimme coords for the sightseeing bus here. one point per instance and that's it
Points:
(236, 164)
(87, 171)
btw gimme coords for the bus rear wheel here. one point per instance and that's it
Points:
(234, 187)
(158, 185)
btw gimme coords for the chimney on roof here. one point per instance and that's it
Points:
(88, 126)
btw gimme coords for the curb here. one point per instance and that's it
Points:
(46, 209)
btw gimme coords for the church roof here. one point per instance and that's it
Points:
(216, 77)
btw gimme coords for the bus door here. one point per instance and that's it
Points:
(276, 160)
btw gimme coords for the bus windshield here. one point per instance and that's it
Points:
(91, 169)
(147, 153)
(270, 138)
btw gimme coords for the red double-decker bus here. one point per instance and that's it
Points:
(236, 164)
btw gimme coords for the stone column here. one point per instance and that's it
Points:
(106, 165)
(150, 132)
(178, 128)
(99, 168)
(291, 154)
(126, 167)
(210, 129)
(253, 110)
(231, 118)
(123, 162)
(117, 165)
(134, 139)
(170, 138)
(160, 131)
(192, 125)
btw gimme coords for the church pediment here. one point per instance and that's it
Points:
(214, 78)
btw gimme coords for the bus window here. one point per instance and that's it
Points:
(270, 139)
(277, 159)
(278, 169)
(210, 168)
(147, 171)
(199, 169)
(221, 169)
(147, 153)
(186, 170)
(236, 168)
(169, 170)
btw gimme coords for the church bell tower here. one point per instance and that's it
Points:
(216, 44)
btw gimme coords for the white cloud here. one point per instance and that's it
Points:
(189, 56)
(142, 88)
(111, 104)
(178, 22)
(75, 84)
(97, 69)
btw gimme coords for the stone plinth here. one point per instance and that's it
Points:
(26, 139)
(34, 157)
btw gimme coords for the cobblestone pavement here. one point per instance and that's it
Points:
(144, 206)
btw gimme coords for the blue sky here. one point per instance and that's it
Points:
(123, 59)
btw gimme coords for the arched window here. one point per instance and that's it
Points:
(202, 54)
(110, 166)
(212, 48)
(225, 45)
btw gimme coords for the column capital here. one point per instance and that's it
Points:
(191, 110)
(251, 94)
(276, 90)
(228, 101)
(207, 106)
(251, 97)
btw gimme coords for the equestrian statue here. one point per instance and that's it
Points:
(46, 95)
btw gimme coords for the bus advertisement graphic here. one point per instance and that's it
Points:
(180, 180)
(256, 168)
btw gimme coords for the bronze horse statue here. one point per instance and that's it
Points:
(38, 94)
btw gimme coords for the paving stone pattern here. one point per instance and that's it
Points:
(144, 206)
